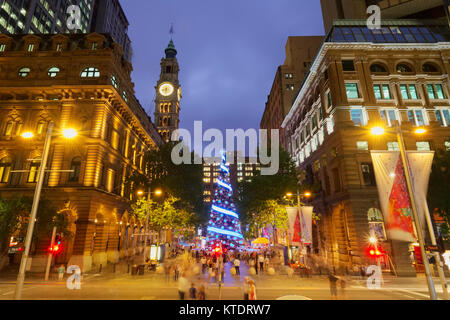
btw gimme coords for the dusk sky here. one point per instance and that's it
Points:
(228, 53)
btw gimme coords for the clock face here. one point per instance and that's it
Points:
(179, 94)
(166, 89)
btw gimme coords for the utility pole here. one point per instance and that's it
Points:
(146, 226)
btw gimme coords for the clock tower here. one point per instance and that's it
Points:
(168, 95)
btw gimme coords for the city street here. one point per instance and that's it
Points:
(123, 286)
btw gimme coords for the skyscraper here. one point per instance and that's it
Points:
(42, 16)
(168, 94)
(108, 17)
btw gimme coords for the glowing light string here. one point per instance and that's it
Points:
(224, 168)
(225, 211)
(226, 232)
(223, 184)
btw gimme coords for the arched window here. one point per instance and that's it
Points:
(75, 167)
(24, 72)
(34, 169)
(9, 128)
(403, 68)
(5, 170)
(18, 128)
(90, 72)
(377, 68)
(429, 68)
(53, 72)
(114, 82)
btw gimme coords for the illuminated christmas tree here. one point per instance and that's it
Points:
(224, 226)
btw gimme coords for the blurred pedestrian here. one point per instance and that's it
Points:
(237, 264)
(333, 285)
(203, 261)
(202, 293)
(175, 271)
(251, 290)
(245, 288)
(261, 262)
(193, 292)
(183, 286)
(61, 271)
(343, 283)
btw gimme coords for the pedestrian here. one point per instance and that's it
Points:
(343, 283)
(237, 264)
(362, 272)
(167, 268)
(203, 261)
(61, 271)
(202, 293)
(245, 288)
(193, 292)
(183, 286)
(261, 262)
(253, 265)
(251, 290)
(175, 272)
(333, 285)
(266, 262)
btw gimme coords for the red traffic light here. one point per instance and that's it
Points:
(374, 252)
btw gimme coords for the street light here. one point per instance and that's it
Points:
(37, 194)
(157, 192)
(405, 163)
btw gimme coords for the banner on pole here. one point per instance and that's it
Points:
(393, 191)
(306, 218)
(293, 226)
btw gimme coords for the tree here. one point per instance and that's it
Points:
(14, 216)
(184, 181)
(254, 195)
(164, 215)
(268, 213)
(224, 226)
(438, 190)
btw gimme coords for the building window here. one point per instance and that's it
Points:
(9, 128)
(352, 90)
(124, 96)
(330, 125)
(115, 140)
(348, 65)
(330, 102)
(24, 72)
(447, 145)
(403, 68)
(34, 170)
(393, 146)
(53, 72)
(376, 224)
(389, 116)
(94, 46)
(443, 117)
(114, 82)
(368, 174)
(429, 68)
(358, 116)
(290, 87)
(409, 92)
(2, 47)
(417, 117)
(75, 167)
(435, 91)
(377, 68)
(423, 146)
(90, 72)
(30, 47)
(288, 75)
(382, 92)
(362, 145)
(59, 47)
(5, 170)
(40, 127)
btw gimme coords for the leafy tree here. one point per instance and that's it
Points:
(14, 217)
(165, 215)
(184, 181)
(253, 195)
(438, 190)
(268, 213)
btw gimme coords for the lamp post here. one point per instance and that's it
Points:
(406, 169)
(149, 193)
(37, 195)
(68, 133)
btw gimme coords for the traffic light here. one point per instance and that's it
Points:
(57, 247)
(374, 252)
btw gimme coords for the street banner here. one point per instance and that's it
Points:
(393, 191)
(293, 226)
(306, 219)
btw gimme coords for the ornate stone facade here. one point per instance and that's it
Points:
(80, 82)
